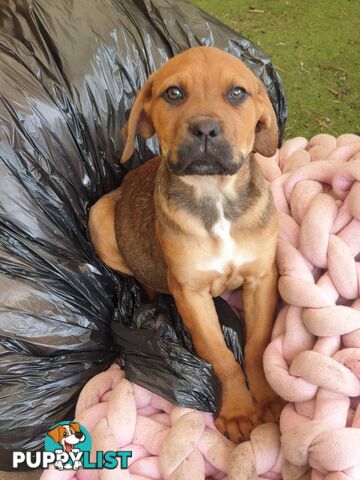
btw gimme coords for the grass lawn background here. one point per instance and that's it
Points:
(315, 46)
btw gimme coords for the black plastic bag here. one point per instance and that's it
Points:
(157, 351)
(69, 72)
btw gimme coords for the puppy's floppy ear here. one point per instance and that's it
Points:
(75, 426)
(139, 122)
(56, 433)
(266, 134)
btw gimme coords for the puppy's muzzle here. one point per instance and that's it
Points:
(205, 151)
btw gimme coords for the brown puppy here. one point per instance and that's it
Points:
(200, 219)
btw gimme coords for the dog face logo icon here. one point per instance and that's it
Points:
(67, 435)
(68, 441)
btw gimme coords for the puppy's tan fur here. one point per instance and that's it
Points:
(197, 236)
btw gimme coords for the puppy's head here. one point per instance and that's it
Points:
(67, 435)
(209, 112)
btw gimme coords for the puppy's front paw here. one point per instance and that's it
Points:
(238, 415)
(236, 425)
(77, 465)
(269, 405)
(59, 465)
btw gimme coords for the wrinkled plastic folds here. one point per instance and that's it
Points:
(69, 72)
(158, 353)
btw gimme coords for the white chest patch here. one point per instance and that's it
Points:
(228, 251)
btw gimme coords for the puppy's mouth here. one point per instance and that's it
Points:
(210, 167)
(68, 447)
(217, 160)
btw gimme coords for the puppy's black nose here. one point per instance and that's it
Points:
(205, 128)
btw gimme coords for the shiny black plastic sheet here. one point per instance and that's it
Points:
(157, 351)
(69, 72)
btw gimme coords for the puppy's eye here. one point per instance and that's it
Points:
(66, 434)
(173, 95)
(236, 95)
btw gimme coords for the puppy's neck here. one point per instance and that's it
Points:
(204, 196)
(214, 186)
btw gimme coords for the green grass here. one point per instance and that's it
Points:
(314, 44)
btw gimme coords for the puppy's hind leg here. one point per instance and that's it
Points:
(102, 232)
